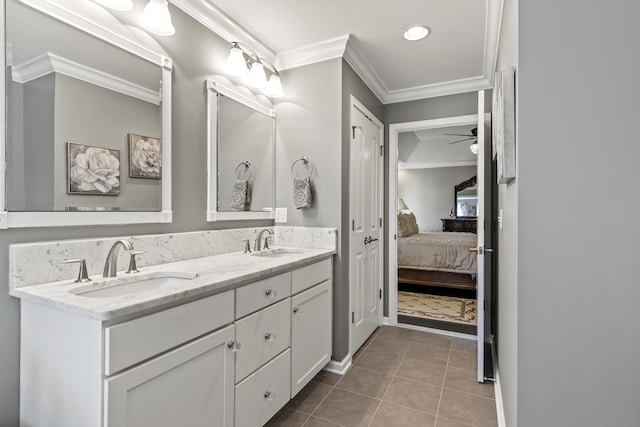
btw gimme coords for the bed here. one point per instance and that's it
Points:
(435, 259)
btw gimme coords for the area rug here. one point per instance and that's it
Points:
(436, 307)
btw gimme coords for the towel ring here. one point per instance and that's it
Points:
(306, 163)
(247, 166)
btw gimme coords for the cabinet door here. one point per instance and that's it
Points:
(310, 334)
(189, 386)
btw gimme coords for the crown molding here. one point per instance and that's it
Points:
(217, 21)
(313, 53)
(48, 63)
(363, 68)
(440, 89)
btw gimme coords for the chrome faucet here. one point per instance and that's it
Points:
(258, 246)
(110, 265)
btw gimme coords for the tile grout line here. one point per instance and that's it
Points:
(444, 380)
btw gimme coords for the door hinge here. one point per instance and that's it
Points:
(382, 150)
(353, 225)
(353, 317)
(380, 222)
(380, 291)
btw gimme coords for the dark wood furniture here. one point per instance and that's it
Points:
(466, 225)
(440, 279)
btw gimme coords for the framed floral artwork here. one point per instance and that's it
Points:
(145, 157)
(93, 170)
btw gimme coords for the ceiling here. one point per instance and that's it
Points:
(458, 55)
(433, 148)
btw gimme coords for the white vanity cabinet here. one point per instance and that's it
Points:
(229, 359)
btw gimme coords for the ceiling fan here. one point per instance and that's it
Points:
(474, 135)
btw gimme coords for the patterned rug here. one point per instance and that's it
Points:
(436, 307)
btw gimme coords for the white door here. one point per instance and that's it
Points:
(365, 243)
(189, 386)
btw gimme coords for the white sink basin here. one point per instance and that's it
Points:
(127, 285)
(276, 253)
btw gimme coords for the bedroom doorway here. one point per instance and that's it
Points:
(447, 217)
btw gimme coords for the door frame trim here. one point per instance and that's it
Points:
(355, 103)
(392, 190)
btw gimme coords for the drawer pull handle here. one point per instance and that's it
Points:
(269, 336)
(234, 345)
(270, 293)
(268, 396)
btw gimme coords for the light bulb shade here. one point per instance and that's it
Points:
(116, 4)
(474, 148)
(156, 18)
(236, 63)
(257, 78)
(274, 87)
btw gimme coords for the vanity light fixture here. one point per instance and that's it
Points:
(244, 61)
(156, 18)
(116, 4)
(416, 33)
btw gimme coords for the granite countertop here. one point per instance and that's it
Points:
(213, 274)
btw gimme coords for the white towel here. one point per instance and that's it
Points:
(302, 192)
(240, 195)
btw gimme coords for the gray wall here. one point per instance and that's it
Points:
(578, 287)
(429, 192)
(507, 283)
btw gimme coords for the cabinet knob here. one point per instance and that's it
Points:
(296, 309)
(268, 395)
(270, 293)
(234, 345)
(269, 336)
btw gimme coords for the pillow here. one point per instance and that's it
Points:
(412, 227)
(407, 225)
(402, 225)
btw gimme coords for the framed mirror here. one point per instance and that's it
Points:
(466, 198)
(241, 154)
(87, 120)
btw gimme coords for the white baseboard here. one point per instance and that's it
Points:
(340, 367)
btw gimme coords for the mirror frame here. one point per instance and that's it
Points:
(9, 219)
(213, 214)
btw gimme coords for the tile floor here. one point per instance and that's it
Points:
(400, 377)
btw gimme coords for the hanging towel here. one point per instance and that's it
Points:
(302, 192)
(240, 195)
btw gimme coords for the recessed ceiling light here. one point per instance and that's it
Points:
(416, 33)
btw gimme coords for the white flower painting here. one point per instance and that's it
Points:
(145, 157)
(93, 170)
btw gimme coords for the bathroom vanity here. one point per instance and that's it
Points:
(227, 340)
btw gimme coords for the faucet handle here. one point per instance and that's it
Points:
(133, 267)
(83, 276)
(247, 246)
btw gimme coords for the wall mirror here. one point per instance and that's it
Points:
(241, 147)
(87, 121)
(466, 198)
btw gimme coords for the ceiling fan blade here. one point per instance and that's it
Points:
(458, 134)
(460, 140)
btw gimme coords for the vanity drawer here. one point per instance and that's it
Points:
(260, 294)
(306, 277)
(132, 342)
(262, 336)
(263, 394)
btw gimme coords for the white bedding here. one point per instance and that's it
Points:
(445, 251)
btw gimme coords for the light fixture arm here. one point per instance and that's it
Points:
(253, 56)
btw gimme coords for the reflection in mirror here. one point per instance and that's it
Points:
(241, 161)
(85, 118)
(466, 198)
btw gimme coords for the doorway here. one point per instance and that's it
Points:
(481, 125)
